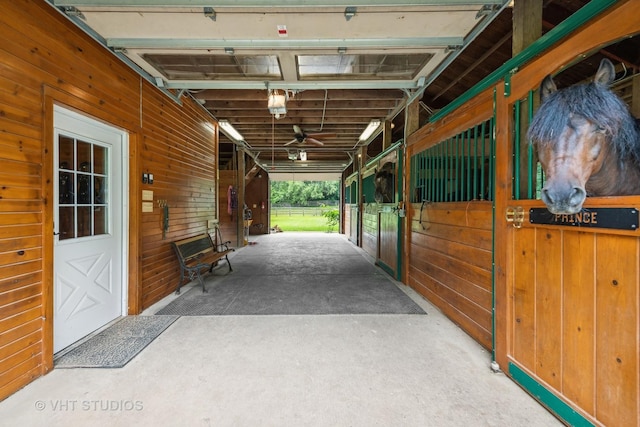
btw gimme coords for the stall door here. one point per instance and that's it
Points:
(353, 224)
(388, 240)
(575, 316)
(88, 226)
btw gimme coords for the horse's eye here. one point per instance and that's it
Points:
(599, 129)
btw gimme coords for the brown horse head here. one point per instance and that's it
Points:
(575, 132)
(384, 184)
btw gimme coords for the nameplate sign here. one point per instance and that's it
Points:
(616, 218)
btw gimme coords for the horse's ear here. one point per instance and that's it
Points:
(547, 87)
(606, 72)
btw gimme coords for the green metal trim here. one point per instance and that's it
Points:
(530, 147)
(507, 83)
(459, 172)
(442, 170)
(400, 241)
(469, 171)
(547, 398)
(399, 186)
(384, 153)
(562, 30)
(448, 168)
(386, 268)
(482, 168)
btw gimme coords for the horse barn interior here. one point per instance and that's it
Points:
(444, 193)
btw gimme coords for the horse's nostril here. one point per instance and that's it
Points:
(578, 195)
(546, 196)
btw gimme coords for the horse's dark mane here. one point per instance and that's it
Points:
(596, 103)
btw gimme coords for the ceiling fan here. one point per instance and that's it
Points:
(301, 136)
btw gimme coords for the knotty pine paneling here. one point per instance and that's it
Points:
(44, 59)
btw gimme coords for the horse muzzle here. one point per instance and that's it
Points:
(563, 200)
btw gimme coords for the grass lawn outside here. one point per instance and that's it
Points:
(301, 223)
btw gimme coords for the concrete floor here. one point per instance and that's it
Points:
(301, 370)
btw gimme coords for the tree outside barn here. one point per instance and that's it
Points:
(305, 205)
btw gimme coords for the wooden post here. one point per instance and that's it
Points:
(503, 231)
(527, 24)
(386, 135)
(527, 28)
(411, 118)
(411, 124)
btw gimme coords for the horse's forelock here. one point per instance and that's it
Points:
(550, 119)
(597, 104)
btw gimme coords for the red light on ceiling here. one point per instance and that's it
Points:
(282, 31)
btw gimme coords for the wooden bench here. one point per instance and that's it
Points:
(198, 253)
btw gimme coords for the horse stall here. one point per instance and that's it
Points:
(555, 297)
(387, 182)
(450, 238)
(381, 219)
(350, 213)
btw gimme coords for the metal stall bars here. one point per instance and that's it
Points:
(457, 169)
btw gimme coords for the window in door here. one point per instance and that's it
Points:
(83, 188)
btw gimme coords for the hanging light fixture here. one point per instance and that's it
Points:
(277, 104)
(303, 155)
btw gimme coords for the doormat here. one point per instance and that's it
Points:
(118, 344)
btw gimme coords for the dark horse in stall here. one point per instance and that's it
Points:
(587, 141)
(384, 184)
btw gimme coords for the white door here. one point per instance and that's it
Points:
(89, 220)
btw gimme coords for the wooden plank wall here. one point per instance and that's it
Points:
(182, 158)
(450, 262)
(44, 59)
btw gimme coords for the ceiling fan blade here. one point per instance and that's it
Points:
(297, 130)
(291, 142)
(314, 141)
(322, 135)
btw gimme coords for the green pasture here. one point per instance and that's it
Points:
(297, 222)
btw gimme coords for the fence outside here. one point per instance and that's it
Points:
(299, 210)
